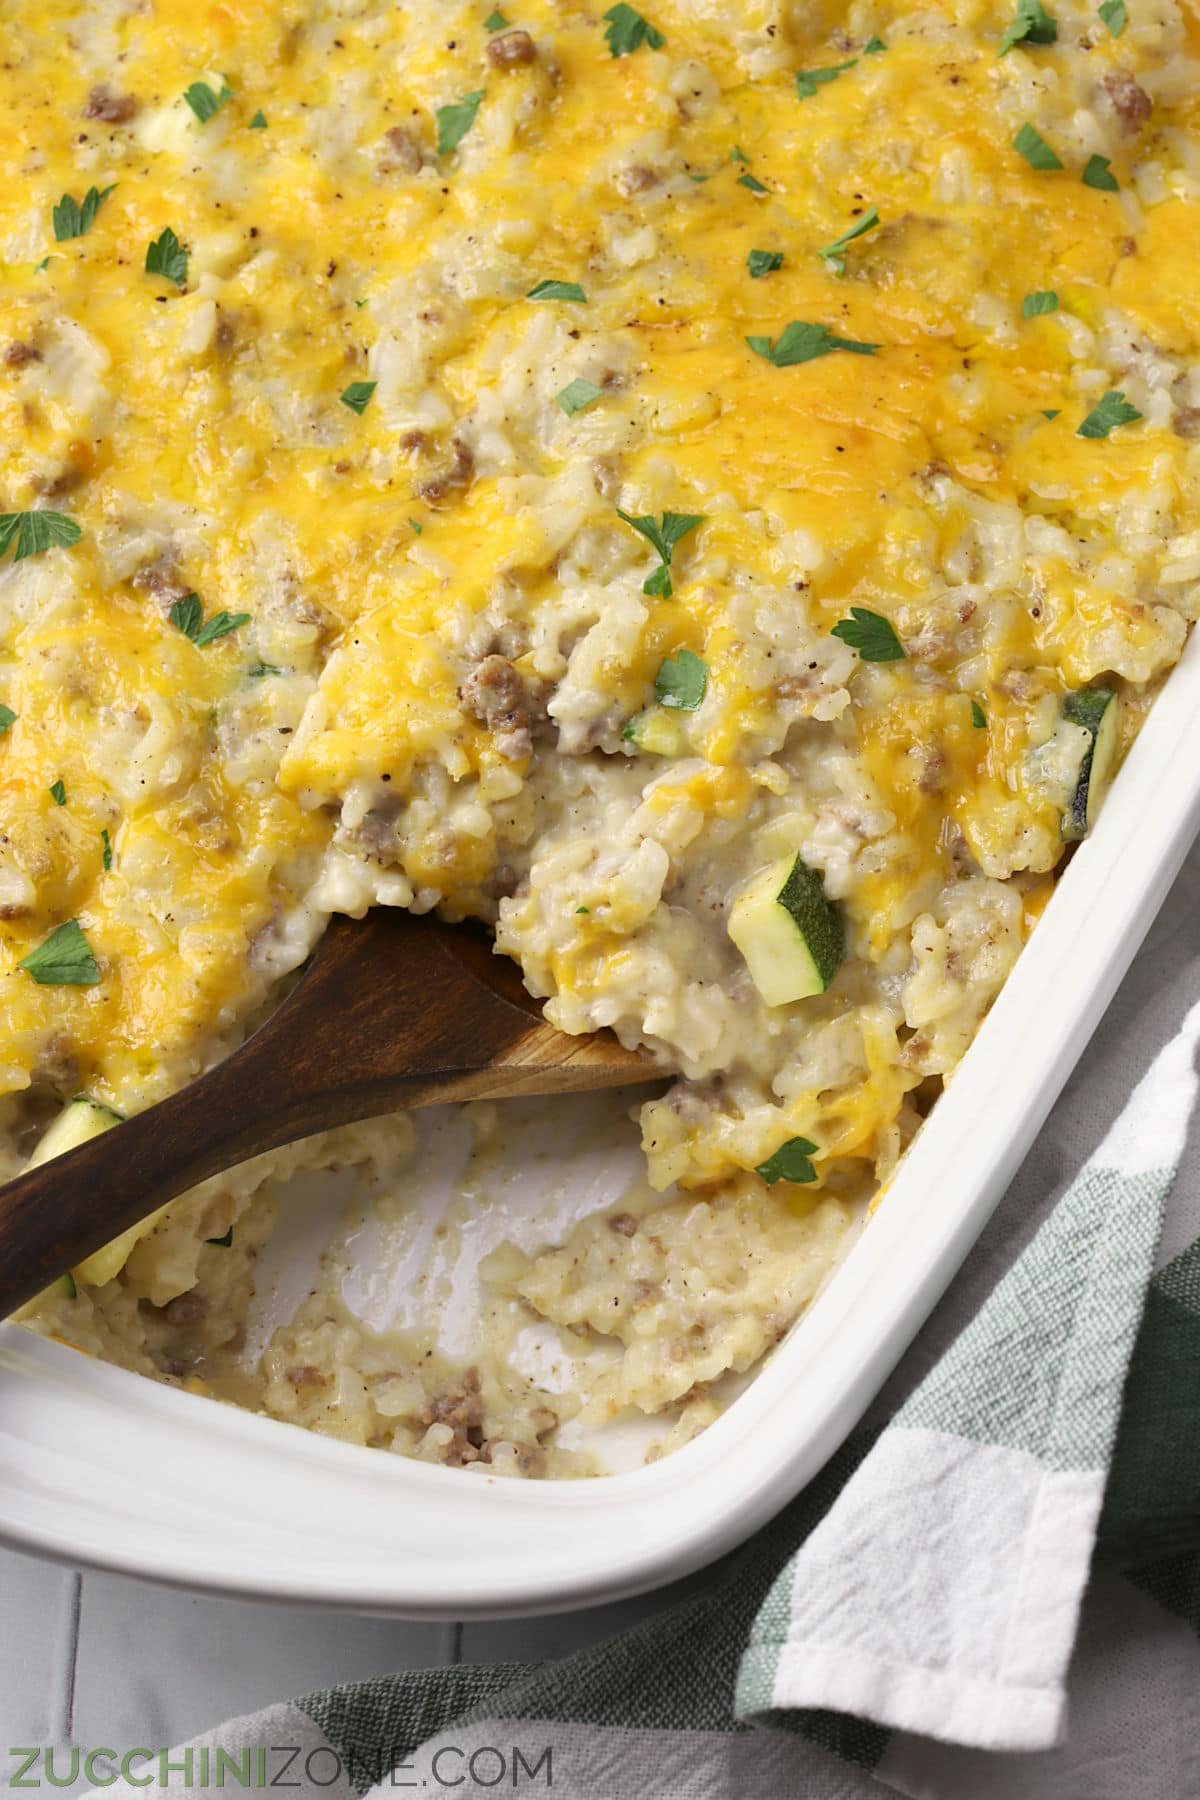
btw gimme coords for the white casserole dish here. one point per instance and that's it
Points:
(100, 1467)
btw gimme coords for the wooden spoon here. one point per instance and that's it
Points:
(392, 1012)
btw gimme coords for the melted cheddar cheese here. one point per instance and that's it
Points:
(446, 629)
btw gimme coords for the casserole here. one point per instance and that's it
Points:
(102, 1468)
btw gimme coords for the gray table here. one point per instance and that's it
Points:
(92, 1659)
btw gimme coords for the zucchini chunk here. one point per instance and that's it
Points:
(657, 731)
(1096, 710)
(80, 1120)
(791, 936)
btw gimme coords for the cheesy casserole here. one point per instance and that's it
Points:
(710, 491)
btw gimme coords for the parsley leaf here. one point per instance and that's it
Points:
(187, 614)
(1034, 148)
(417, 526)
(36, 531)
(664, 538)
(72, 219)
(495, 21)
(203, 102)
(809, 81)
(1051, 412)
(7, 717)
(762, 262)
(801, 341)
(165, 255)
(556, 290)
(872, 635)
(738, 155)
(1044, 301)
(682, 681)
(258, 122)
(1113, 14)
(106, 853)
(1096, 175)
(454, 122)
(577, 394)
(357, 395)
(59, 791)
(753, 183)
(218, 625)
(63, 960)
(1032, 24)
(626, 31)
(261, 670)
(830, 252)
(978, 716)
(1111, 410)
(789, 1163)
(873, 46)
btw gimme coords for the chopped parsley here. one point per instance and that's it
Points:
(1032, 25)
(874, 46)
(36, 531)
(7, 717)
(258, 122)
(222, 1243)
(789, 1163)
(495, 21)
(801, 341)
(832, 252)
(454, 122)
(626, 31)
(204, 102)
(417, 526)
(44, 264)
(1044, 301)
(753, 183)
(664, 538)
(106, 853)
(738, 155)
(58, 790)
(217, 627)
(1111, 410)
(763, 262)
(872, 635)
(73, 218)
(577, 394)
(165, 255)
(682, 681)
(1051, 412)
(357, 395)
(1113, 14)
(556, 290)
(1097, 174)
(261, 670)
(64, 959)
(1034, 148)
(810, 81)
(188, 615)
(978, 716)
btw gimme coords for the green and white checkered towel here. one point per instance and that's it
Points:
(1004, 1558)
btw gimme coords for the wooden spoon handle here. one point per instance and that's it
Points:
(339, 1049)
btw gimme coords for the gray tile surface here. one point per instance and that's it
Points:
(93, 1659)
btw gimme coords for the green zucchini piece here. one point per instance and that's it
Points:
(658, 731)
(1095, 709)
(791, 936)
(80, 1120)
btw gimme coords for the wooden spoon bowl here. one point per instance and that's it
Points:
(392, 1012)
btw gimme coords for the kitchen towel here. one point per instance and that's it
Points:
(991, 1593)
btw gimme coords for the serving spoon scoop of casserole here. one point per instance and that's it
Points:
(392, 1012)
